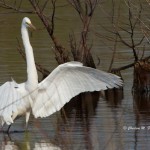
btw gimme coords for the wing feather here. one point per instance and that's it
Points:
(67, 81)
(12, 101)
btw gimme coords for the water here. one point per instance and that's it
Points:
(93, 121)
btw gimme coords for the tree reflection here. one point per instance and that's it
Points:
(114, 96)
(85, 103)
(8, 144)
(75, 121)
(141, 103)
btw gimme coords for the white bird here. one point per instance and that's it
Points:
(50, 95)
(15, 99)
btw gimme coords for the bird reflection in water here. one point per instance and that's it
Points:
(45, 146)
(78, 118)
(9, 145)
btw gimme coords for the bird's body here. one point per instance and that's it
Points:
(18, 98)
(50, 95)
(15, 101)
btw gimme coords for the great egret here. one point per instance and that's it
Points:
(50, 95)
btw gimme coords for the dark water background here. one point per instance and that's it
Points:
(114, 121)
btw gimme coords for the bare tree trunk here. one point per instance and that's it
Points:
(142, 75)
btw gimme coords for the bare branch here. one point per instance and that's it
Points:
(20, 4)
(44, 6)
(61, 54)
(18, 9)
(53, 14)
(85, 9)
(123, 67)
(123, 41)
(73, 46)
(142, 39)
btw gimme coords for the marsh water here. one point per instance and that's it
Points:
(114, 120)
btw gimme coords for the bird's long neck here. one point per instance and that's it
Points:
(32, 77)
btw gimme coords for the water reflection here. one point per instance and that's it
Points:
(141, 103)
(89, 121)
(114, 96)
(85, 123)
(85, 119)
(73, 128)
(83, 105)
(141, 107)
(8, 144)
(45, 146)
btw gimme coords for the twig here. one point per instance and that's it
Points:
(61, 54)
(5, 5)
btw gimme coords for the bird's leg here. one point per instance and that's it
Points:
(27, 119)
(8, 129)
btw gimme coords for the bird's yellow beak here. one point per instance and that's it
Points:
(32, 26)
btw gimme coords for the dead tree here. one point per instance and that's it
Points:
(81, 52)
(84, 8)
(129, 27)
(120, 28)
(61, 53)
(16, 6)
(142, 75)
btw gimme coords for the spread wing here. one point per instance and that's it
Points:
(13, 101)
(67, 81)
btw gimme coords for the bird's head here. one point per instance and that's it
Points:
(27, 22)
